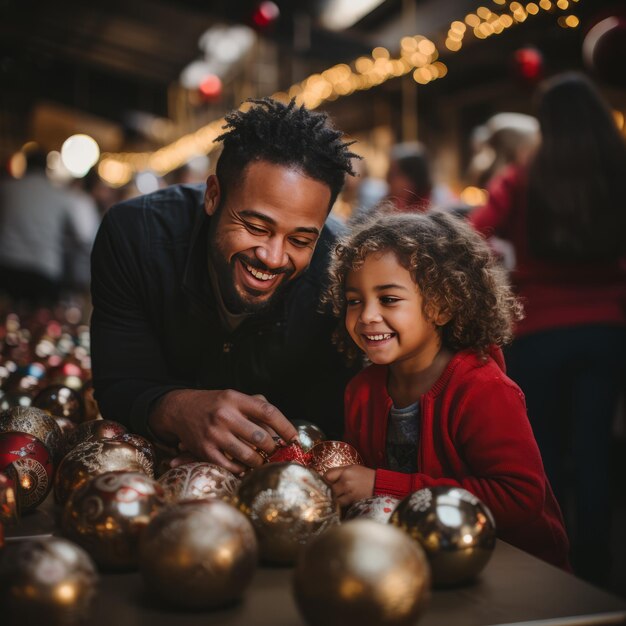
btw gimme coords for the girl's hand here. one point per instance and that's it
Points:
(351, 483)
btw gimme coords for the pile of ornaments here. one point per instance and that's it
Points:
(196, 532)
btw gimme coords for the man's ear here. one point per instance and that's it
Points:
(212, 195)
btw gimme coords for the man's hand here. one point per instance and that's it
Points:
(351, 483)
(226, 427)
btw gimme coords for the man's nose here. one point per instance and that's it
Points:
(272, 253)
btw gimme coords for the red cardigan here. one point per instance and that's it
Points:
(555, 294)
(475, 434)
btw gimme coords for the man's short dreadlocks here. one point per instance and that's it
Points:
(284, 135)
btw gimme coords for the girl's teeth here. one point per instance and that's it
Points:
(378, 337)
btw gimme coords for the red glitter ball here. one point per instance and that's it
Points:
(292, 452)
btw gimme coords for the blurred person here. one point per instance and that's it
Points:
(505, 139)
(565, 213)
(360, 193)
(35, 218)
(206, 333)
(409, 179)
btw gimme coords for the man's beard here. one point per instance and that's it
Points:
(248, 301)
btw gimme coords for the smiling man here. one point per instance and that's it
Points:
(206, 332)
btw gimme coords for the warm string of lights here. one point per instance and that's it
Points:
(418, 55)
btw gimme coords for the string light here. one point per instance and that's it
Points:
(418, 56)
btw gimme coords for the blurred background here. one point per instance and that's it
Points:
(116, 98)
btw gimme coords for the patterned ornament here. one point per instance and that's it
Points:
(293, 453)
(362, 573)
(199, 481)
(38, 423)
(92, 458)
(456, 530)
(288, 505)
(376, 508)
(329, 454)
(27, 462)
(198, 554)
(106, 515)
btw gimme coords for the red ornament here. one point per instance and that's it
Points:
(529, 64)
(211, 87)
(26, 461)
(292, 452)
(329, 454)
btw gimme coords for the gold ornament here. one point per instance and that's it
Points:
(94, 430)
(456, 530)
(46, 581)
(107, 514)
(288, 505)
(364, 573)
(198, 554)
(96, 457)
(309, 434)
(198, 481)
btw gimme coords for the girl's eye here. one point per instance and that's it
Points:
(389, 300)
(352, 302)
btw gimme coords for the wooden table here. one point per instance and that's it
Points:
(514, 588)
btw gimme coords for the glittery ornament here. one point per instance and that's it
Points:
(288, 505)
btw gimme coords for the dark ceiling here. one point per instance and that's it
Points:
(115, 56)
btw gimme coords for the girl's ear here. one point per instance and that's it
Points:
(438, 316)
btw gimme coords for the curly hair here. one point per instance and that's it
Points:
(451, 265)
(284, 134)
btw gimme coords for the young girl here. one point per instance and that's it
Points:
(423, 299)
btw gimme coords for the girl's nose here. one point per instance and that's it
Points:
(370, 313)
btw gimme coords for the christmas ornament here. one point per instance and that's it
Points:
(308, 434)
(292, 452)
(92, 458)
(364, 573)
(60, 401)
(199, 554)
(198, 481)
(329, 454)
(95, 430)
(455, 528)
(141, 443)
(106, 515)
(376, 508)
(46, 581)
(35, 422)
(9, 504)
(28, 463)
(287, 505)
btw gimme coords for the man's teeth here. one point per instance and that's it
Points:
(257, 274)
(379, 337)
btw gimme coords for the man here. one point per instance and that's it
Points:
(206, 332)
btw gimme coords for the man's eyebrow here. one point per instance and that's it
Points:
(272, 222)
